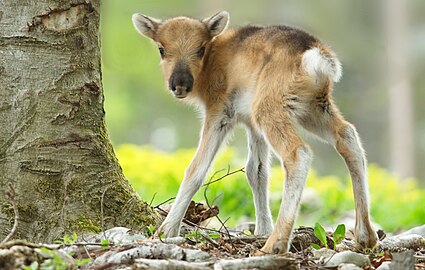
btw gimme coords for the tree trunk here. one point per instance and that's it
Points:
(54, 147)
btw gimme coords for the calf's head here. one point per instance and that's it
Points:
(183, 44)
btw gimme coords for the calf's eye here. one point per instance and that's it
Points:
(161, 51)
(201, 51)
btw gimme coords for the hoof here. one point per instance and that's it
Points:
(273, 247)
(366, 239)
(166, 231)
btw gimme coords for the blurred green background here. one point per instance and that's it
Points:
(140, 111)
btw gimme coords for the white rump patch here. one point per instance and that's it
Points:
(318, 65)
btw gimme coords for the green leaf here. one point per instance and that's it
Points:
(46, 250)
(57, 259)
(315, 246)
(151, 228)
(67, 239)
(81, 262)
(105, 243)
(339, 234)
(195, 234)
(247, 232)
(320, 233)
(214, 235)
(74, 237)
(33, 266)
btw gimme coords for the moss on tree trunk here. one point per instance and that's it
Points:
(54, 147)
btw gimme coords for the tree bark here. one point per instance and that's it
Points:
(54, 147)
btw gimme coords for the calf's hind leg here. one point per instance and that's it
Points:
(331, 126)
(257, 172)
(349, 147)
(296, 159)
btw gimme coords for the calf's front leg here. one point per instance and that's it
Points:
(213, 134)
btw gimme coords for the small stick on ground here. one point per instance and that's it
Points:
(224, 176)
(101, 210)
(208, 204)
(164, 202)
(11, 196)
(153, 198)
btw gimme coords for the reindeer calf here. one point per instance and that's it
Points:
(272, 79)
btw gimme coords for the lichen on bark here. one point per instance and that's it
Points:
(54, 146)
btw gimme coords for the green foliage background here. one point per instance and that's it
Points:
(395, 205)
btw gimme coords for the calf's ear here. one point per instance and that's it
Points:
(145, 25)
(217, 23)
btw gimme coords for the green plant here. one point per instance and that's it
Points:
(199, 237)
(144, 167)
(33, 266)
(339, 234)
(214, 235)
(105, 244)
(320, 233)
(67, 239)
(150, 230)
(81, 262)
(247, 232)
(55, 262)
(195, 236)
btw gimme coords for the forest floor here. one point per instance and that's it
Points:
(205, 248)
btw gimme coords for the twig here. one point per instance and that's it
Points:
(223, 225)
(49, 246)
(208, 204)
(164, 202)
(186, 221)
(224, 176)
(210, 240)
(101, 211)
(225, 228)
(216, 198)
(153, 198)
(65, 199)
(87, 252)
(11, 196)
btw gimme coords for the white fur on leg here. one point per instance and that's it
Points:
(294, 185)
(257, 171)
(356, 163)
(195, 174)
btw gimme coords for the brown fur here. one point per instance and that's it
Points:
(262, 69)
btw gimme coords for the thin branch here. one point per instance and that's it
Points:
(223, 224)
(224, 176)
(164, 202)
(210, 240)
(87, 252)
(188, 222)
(65, 199)
(216, 198)
(209, 206)
(51, 246)
(101, 211)
(11, 195)
(153, 198)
